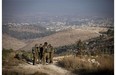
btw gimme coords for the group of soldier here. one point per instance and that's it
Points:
(42, 53)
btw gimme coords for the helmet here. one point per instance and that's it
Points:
(45, 43)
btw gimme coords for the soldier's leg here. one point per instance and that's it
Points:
(39, 57)
(33, 60)
(51, 58)
(44, 59)
(47, 57)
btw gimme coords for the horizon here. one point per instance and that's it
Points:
(22, 8)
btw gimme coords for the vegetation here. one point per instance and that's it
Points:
(26, 34)
(24, 56)
(8, 58)
(89, 65)
(12, 58)
(96, 56)
(110, 32)
(5, 53)
(104, 44)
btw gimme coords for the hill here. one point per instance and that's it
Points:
(9, 42)
(67, 37)
(25, 31)
(103, 44)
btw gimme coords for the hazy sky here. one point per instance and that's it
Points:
(55, 7)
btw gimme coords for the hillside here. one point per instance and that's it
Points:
(9, 42)
(66, 37)
(102, 44)
(25, 31)
(62, 65)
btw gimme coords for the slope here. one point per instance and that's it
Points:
(66, 37)
(9, 42)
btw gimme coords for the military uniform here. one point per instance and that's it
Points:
(45, 53)
(40, 52)
(51, 53)
(35, 54)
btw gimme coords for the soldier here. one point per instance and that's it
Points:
(51, 52)
(35, 53)
(40, 52)
(45, 53)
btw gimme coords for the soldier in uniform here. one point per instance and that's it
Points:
(51, 52)
(40, 52)
(45, 53)
(35, 54)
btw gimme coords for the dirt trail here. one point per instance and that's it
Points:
(50, 69)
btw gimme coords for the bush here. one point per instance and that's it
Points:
(72, 63)
(8, 58)
(110, 32)
(89, 65)
(6, 53)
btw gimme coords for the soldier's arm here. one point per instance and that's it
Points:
(43, 50)
(38, 49)
(33, 50)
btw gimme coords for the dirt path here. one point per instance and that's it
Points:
(50, 69)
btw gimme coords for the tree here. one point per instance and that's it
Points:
(80, 46)
(110, 32)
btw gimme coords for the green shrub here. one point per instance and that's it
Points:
(6, 53)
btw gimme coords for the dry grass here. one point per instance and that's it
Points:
(8, 58)
(72, 63)
(106, 62)
(89, 65)
(10, 72)
(9, 42)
